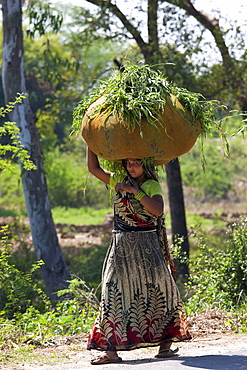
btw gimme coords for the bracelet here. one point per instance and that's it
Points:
(139, 195)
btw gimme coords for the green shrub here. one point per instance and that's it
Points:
(70, 316)
(27, 316)
(67, 318)
(18, 291)
(87, 263)
(67, 179)
(219, 276)
(9, 333)
(11, 193)
(210, 183)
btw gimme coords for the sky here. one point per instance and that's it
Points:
(232, 9)
(235, 10)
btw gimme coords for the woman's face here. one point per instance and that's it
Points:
(134, 167)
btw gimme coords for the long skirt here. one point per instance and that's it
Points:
(140, 303)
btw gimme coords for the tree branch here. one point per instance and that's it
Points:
(128, 25)
(211, 24)
(152, 23)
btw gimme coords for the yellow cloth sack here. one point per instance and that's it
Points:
(175, 134)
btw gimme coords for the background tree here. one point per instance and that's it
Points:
(233, 73)
(54, 270)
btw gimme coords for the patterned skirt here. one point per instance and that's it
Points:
(140, 303)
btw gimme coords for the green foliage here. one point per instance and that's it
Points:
(59, 71)
(219, 276)
(9, 333)
(11, 193)
(87, 263)
(17, 289)
(16, 148)
(36, 328)
(25, 313)
(51, 80)
(208, 183)
(70, 316)
(67, 318)
(67, 178)
(42, 18)
(81, 293)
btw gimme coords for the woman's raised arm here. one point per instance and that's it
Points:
(95, 169)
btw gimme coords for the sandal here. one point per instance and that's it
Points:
(105, 359)
(167, 353)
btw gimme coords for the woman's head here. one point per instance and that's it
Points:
(133, 167)
(137, 167)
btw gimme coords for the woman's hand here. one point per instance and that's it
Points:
(126, 187)
(154, 205)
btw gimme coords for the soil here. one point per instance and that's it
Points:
(210, 337)
(84, 236)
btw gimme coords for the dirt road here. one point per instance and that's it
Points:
(225, 352)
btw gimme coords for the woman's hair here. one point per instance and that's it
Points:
(148, 168)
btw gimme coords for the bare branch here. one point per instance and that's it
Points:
(128, 25)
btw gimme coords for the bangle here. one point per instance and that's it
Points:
(139, 195)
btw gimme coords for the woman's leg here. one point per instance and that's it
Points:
(165, 346)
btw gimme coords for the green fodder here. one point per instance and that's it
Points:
(140, 91)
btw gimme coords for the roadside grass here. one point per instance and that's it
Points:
(24, 354)
(66, 215)
(80, 216)
(6, 212)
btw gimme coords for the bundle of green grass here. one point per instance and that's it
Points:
(138, 114)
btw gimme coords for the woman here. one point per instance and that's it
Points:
(140, 303)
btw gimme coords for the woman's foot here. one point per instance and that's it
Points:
(107, 358)
(166, 351)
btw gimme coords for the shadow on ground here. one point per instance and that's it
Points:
(217, 362)
(210, 362)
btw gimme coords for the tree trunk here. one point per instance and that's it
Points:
(177, 211)
(54, 270)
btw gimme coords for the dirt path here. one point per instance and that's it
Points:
(72, 355)
(211, 333)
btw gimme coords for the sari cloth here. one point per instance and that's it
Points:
(140, 303)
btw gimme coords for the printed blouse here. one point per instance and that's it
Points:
(129, 213)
